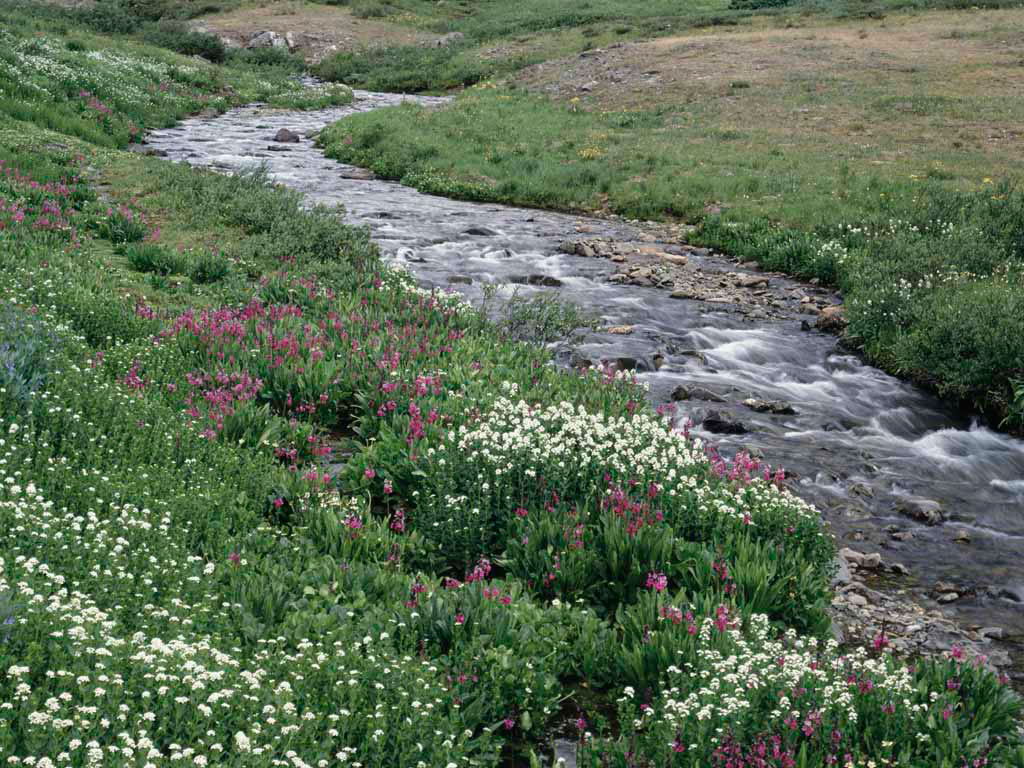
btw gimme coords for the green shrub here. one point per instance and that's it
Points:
(152, 257)
(178, 36)
(209, 267)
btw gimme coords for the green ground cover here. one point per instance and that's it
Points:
(60, 73)
(265, 502)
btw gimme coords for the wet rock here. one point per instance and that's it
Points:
(266, 39)
(851, 555)
(481, 232)
(1011, 594)
(871, 561)
(567, 246)
(831, 319)
(899, 569)
(618, 279)
(579, 361)
(962, 537)
(285, 136)
(683, 392)
(621, 330)
(461, 279)
(948, 597)
(722, 423)
(544, 280)
(927, 511)
(357, 174)
(277, 148)
(991, 633)
(779, 407)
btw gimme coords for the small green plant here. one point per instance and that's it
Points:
(153, 257)
(209, 267)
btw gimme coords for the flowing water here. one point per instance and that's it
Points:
(864, 446)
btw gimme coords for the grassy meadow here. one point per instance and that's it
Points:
(266, 502)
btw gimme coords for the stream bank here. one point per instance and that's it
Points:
(737, 351)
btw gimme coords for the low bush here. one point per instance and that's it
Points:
(178, 36)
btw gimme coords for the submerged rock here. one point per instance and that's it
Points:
(722, 423)
(285, 136)
(780, 407)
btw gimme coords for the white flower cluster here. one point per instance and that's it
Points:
(143, 664)
(567, 445)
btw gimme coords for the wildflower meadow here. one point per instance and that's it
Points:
(266, 502)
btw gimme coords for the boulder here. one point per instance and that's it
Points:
(722, 423)
(266, 39)
(480, 232)
(831, 319)
(683, 392)
(779, 407)
(284, 136)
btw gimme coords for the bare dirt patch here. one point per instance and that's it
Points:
(941, 80)
(317, 30)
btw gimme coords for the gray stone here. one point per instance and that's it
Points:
(871, 561)
(722, 423)
(287, 137)
(925, 510)
(481, 232)
(843, 575)
(683, 392)
(779, 407)
(266, 39)
(851, 555)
